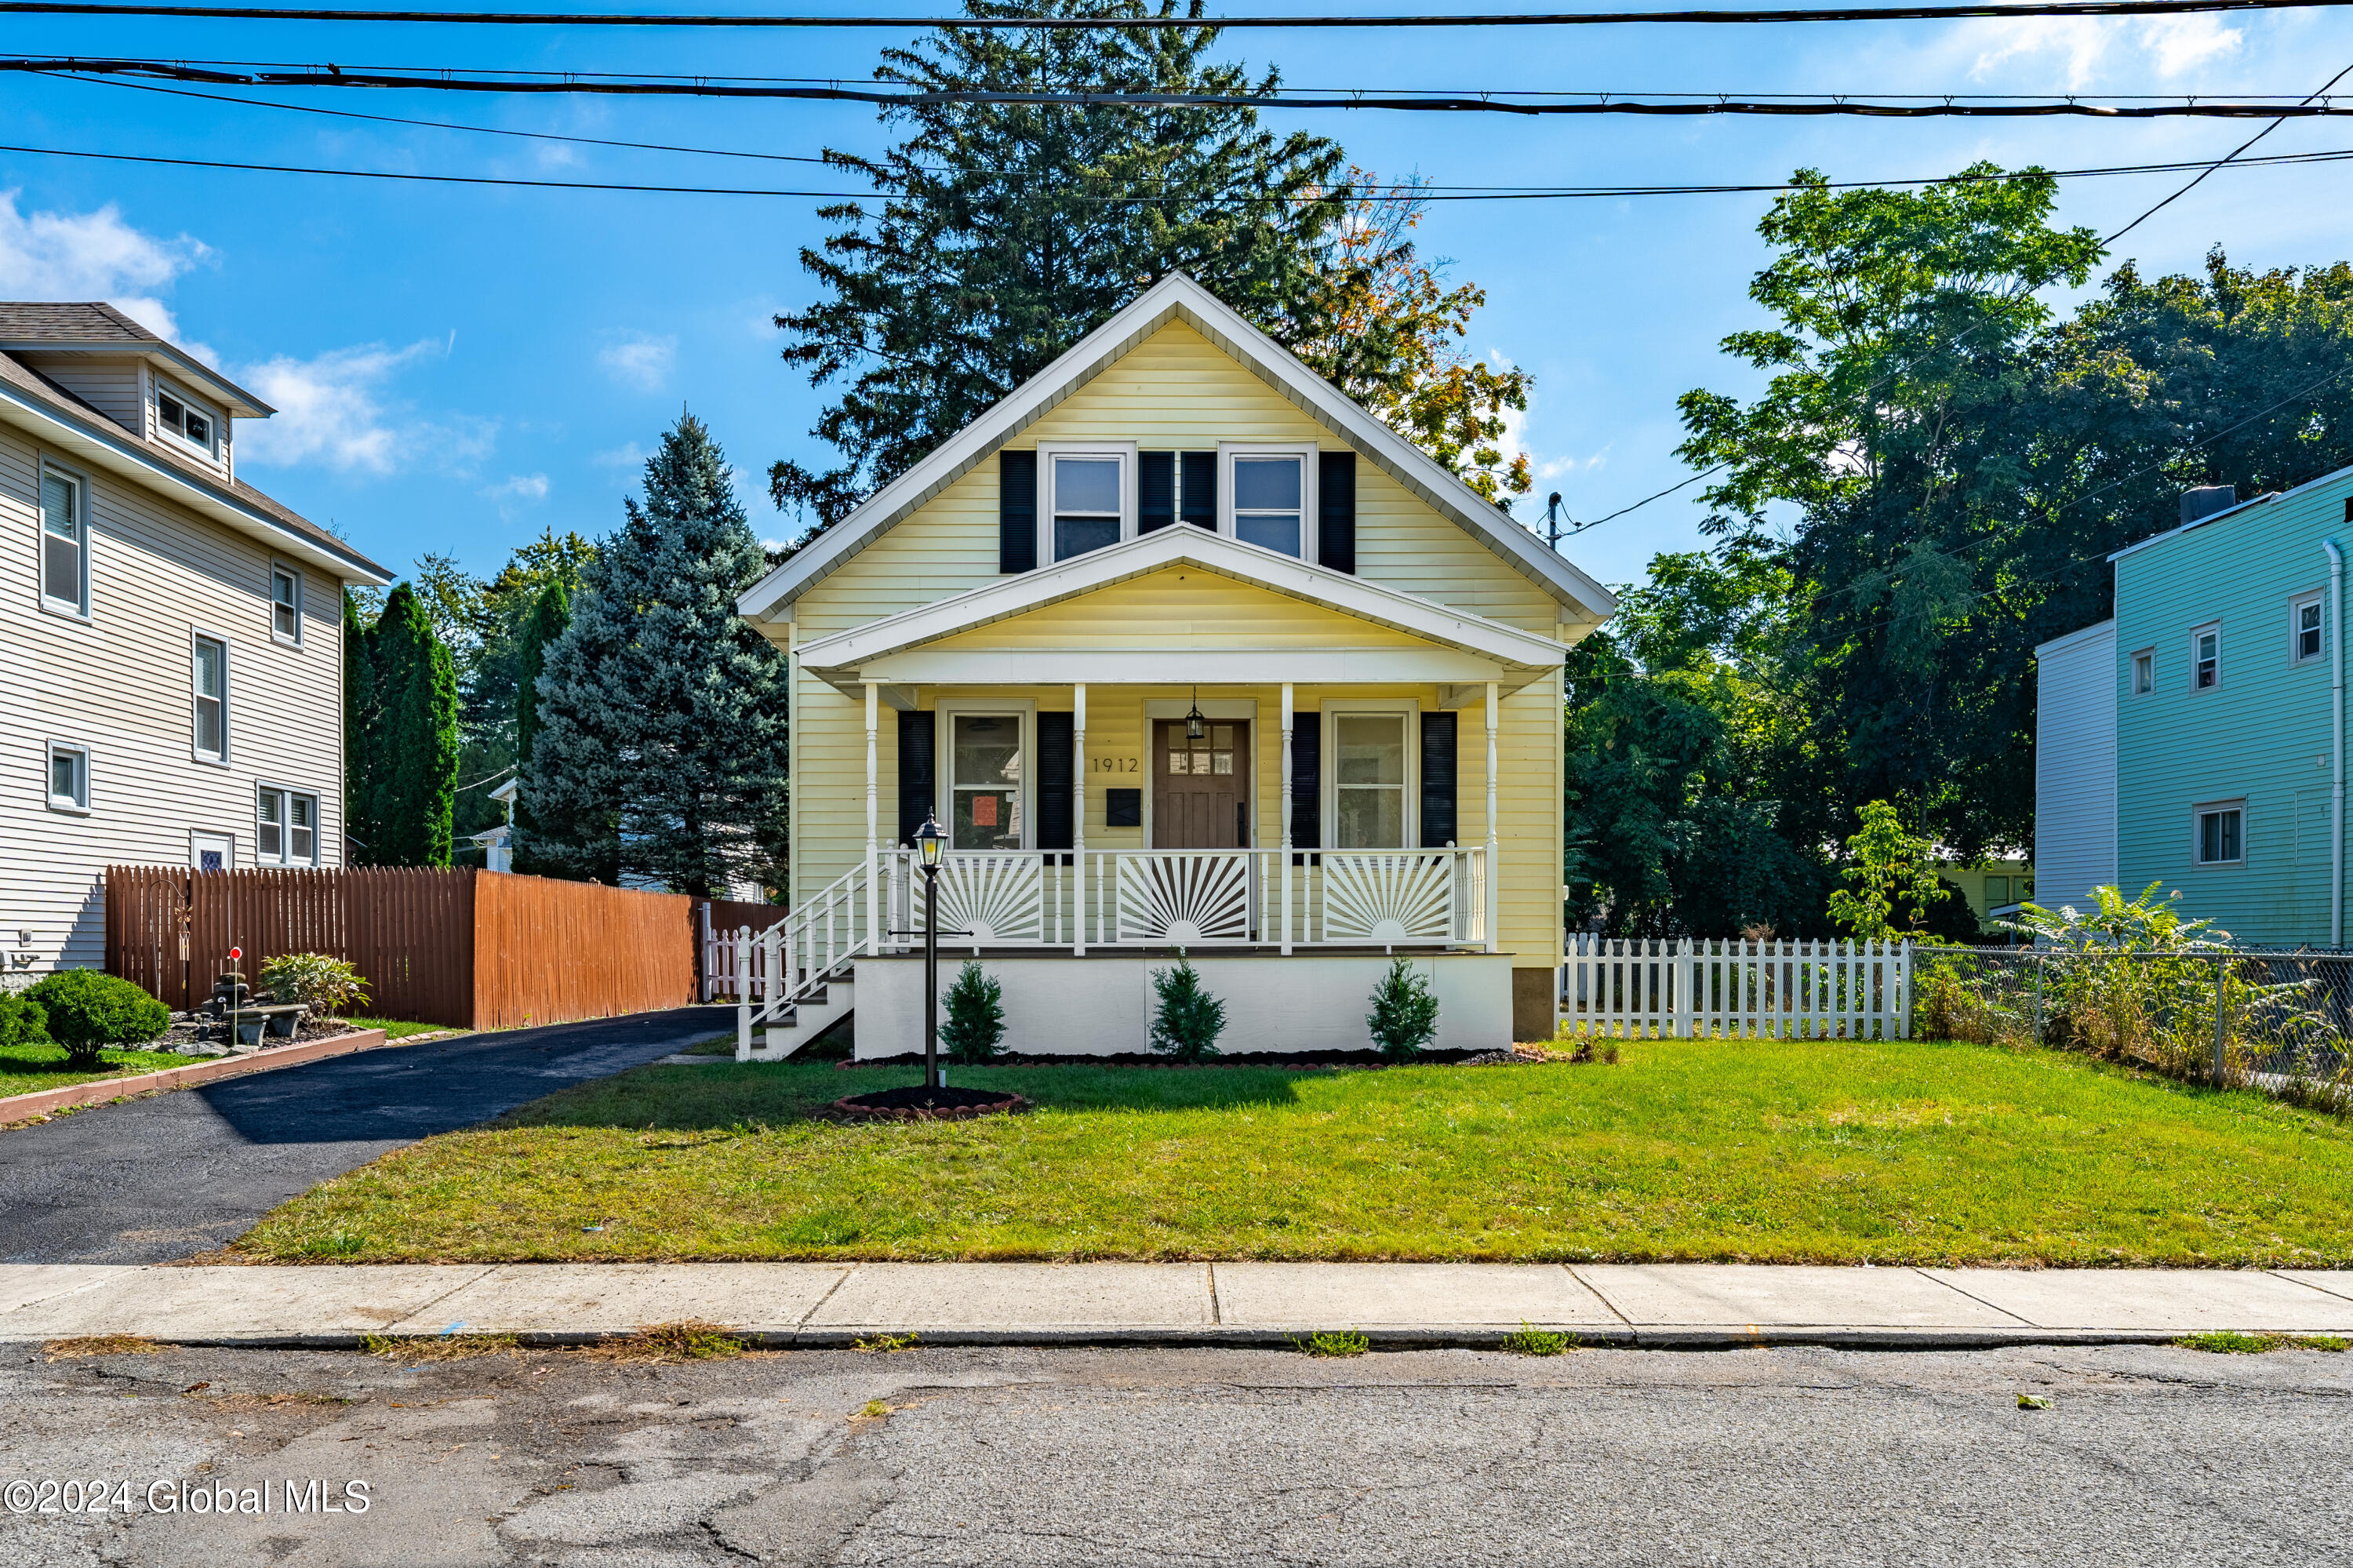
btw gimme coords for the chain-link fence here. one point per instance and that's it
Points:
(2279, 1021)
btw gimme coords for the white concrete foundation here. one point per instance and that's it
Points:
(1058, 1004)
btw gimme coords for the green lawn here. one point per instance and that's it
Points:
(1760, 1150)
(26, 1069)
(397, 1028)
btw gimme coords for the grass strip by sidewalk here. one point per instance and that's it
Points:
(1769, 1152)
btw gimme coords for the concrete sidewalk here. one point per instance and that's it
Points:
(831, 1304)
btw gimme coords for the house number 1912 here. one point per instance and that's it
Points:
(1114, 765)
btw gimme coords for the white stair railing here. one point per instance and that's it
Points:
(815, 943)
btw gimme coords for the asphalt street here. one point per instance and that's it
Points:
(185, 1172)
(1156, 1457)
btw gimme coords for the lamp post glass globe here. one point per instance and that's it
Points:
(931, 843)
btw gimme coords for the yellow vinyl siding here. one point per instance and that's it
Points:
(1177, 610)
(1176, 390)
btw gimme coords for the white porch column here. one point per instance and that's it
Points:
(1078, 817)
(1494, 878)
(873, 865)
(1284, 923)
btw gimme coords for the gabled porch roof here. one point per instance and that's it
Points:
(1446, 646)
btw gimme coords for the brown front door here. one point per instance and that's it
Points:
(1201, 787)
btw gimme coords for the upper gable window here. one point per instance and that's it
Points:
(1269, 499)
(184, 421)
(1090, 498)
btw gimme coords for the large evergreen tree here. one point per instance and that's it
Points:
(550, 614)
(1008, 231)
(659, 711)
(413, 749)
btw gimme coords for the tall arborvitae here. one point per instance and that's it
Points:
(659, 710)
(359, 730)
(550, 614)
(413, 751)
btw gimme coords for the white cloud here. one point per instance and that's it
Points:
(331, 409)
(2082, 43)
(629, 454)
(92, 256)
(640, 360)
(516, 491)
(2181, 43)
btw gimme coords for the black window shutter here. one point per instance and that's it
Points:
(1335, 510)
(1201, 490)
(1056, 782)
(1017, 511)
(1156, 491)
(1306, 782)
(917, 773)
(1438, 770)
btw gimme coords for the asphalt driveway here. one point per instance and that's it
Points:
(185, 1172)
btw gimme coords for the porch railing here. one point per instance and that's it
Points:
(1195, 898)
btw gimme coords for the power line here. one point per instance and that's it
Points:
(1561, 194)
(1424, 190)
(1484, 102)
(2053, 8)
(2218, 163)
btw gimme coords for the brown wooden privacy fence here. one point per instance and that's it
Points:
(470, 949)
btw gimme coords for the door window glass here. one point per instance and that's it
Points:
(1210, 756)
(1267, 492)
(1369, 781)
(987, 757)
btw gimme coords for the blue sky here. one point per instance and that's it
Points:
(457, 367)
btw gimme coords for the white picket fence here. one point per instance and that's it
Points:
(1706, 988)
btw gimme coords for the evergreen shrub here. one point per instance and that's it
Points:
(1405, 1014)
(976, 1009)
(1188, 1021)
(22, 1021)
(88, 1012)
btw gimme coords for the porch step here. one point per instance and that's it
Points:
(802, 1023)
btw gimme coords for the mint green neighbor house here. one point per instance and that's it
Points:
(2197, 739)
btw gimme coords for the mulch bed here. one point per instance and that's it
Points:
(1293, 1060)
(916, 1103)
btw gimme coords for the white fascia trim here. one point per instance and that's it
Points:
(107, 453)
(2330, 477)
(1182, 544)
(2081, 634)
(1176, 296)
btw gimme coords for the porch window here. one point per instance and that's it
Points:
(1368, 784)
(1086, 504)
(984, 754)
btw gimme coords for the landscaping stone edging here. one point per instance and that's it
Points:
(17, 1110)
(843, 1111)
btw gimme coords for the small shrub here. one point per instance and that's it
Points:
(22, 1021)
(324, 985)
(1334, 1343)
(976, 1009)
(88, 1012)
(1531, 1342)
(1188, 1020)
(1405, 1012)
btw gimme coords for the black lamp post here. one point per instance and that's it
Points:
(930, 843)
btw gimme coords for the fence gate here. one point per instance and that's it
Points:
(1706, 988)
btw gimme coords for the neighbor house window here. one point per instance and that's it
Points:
(2222, 833)
(65, 543)
(1996, 891)
(210, 680)
(69, 777)
(2144, 672)
(985, 757)
(1269, 502)
(285, 603)
(1089, 500)
(2304, 639)
(1368, 781)
(286, 827)
(2205, 658)
(184, 421)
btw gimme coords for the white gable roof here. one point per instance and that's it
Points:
(1177, 298)
(1496, 651)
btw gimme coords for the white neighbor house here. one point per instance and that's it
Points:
(170, 638)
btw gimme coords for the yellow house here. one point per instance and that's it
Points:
(1184, 650)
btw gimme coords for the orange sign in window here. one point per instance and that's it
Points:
(984, 811)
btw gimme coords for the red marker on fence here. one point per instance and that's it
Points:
(235, 954)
